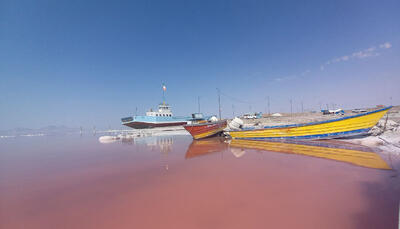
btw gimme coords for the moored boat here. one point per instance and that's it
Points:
(205, 129)
(161, 118)
(349, 126)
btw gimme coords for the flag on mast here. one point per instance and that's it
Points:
(164, 87)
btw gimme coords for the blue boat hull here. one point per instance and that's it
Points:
(145, 125)
(144, 122)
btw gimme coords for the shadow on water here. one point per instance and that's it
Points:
(382, 200)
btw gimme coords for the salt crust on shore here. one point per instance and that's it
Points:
(385, 136)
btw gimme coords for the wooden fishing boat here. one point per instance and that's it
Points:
(207, 129)
(353, 154)
(354, 125)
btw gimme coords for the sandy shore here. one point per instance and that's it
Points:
(385, 135)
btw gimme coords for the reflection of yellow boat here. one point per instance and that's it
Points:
(343, 127)
(344, 153)
(205, 146)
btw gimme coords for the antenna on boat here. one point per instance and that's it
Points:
(198, 101)
(269, 112)
(219, 103)
(291, 107)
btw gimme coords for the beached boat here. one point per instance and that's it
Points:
(354, 125)
(161, 118)
(205, 129)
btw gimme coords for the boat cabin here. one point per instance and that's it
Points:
(164, 110)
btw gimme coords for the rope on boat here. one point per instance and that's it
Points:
(384, 126)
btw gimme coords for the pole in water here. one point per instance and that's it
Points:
(219, 103)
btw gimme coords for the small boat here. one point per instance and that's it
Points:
(349, 126)
(205, 129)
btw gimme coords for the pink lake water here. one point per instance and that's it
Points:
(167, 182)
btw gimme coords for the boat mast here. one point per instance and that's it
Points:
(219, 103)
(164, 88)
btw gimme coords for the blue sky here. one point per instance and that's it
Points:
(85, 63)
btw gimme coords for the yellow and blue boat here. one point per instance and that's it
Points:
(349, 126)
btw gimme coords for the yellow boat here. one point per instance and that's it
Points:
(353, 154)
(354, 125)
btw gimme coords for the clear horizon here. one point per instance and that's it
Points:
(91, 63)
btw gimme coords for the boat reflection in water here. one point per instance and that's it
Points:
(154, 143)
(333, 150)
(162, 144)
(206, 146)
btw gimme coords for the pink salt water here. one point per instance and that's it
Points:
(155, 182)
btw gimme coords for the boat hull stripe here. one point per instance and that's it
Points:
(317, 136)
